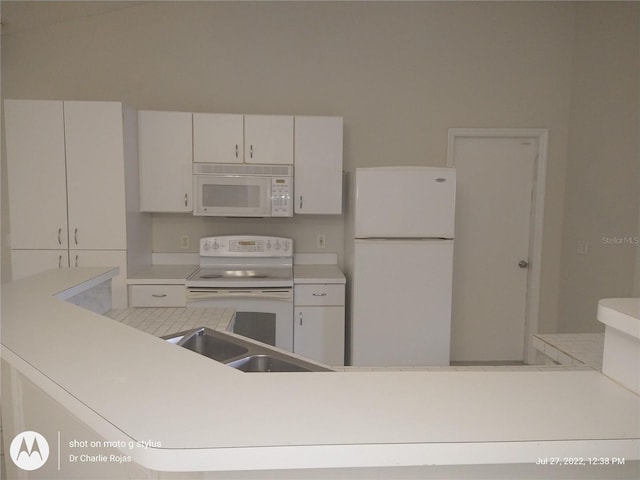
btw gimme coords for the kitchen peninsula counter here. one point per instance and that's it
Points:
(197, 415)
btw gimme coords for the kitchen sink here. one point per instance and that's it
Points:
(240, 354)
(266, 363)
(212, 346)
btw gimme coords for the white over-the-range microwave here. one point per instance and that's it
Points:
(241, 190)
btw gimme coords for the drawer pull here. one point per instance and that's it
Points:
(319, 294)
(158, 295)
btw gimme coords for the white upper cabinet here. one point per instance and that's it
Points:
(34, 132)
(268, 139)
(166, 158)
(218, 138)
(95, 175)
(318, 165)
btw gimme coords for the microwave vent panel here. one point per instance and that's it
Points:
(233, 169)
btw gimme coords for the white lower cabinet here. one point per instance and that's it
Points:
(25, 263)
(157, 295)
(318, 331)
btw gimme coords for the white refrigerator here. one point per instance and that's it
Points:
(403, 266)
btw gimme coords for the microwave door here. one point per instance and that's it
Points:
(232, 196)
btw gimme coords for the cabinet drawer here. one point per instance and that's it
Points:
(157, 295)
(316, 294)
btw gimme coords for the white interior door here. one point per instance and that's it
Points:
(492, 247)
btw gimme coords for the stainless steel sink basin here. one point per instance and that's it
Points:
(266, 363)
(212, 346)
(240, 354)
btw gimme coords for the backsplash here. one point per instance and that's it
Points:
(168, 230)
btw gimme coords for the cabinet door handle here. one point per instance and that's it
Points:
(300, 318)
(319, 294)
(301, 201)
(75, 235)
(76, 262)
(158, 295)
(186, 199)
(251, 151)
(59, 261)
(60, 236)
(237, 151)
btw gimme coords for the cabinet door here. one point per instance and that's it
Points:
(166, 159)
(268, 139)
(318, 165)
(218, 138)
(95, 175)
(34, 133)
(25, 263)
(106, 258)
(318, 333)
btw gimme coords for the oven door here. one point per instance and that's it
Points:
(264, 314)
(232, 196)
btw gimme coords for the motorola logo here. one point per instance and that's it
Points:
(29, 450)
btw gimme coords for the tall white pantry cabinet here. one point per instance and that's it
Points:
(73, 188)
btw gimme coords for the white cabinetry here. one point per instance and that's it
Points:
(233, 138)
(218, 138)
(319, 322)
(158, 295)
(68, 196)
(25, 263)
(318, 165)
(268, 139)
(95, 175)
(34, 133)
(166, 157)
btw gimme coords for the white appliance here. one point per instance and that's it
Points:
(253, 274)
(403, 266)
(230, 190)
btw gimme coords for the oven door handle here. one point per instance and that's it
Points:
(207, 294)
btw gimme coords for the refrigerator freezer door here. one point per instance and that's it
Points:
(416, 202)
(401, 302)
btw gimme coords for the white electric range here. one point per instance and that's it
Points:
(253, 274)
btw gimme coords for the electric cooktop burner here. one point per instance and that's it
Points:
(234, 274)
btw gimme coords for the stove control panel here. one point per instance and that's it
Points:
(246, 246)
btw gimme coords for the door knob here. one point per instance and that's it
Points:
(523, 264)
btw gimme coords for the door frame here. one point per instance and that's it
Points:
(534, 274)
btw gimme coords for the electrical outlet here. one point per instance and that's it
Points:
(185, 242)
(583, 247)
(321, 241)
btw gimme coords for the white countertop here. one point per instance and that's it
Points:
(177, 274)
(293, 420)
(317, 274)
(621, 313)
(162, 274)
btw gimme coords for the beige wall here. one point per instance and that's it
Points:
(603, 170)
(400, 74)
